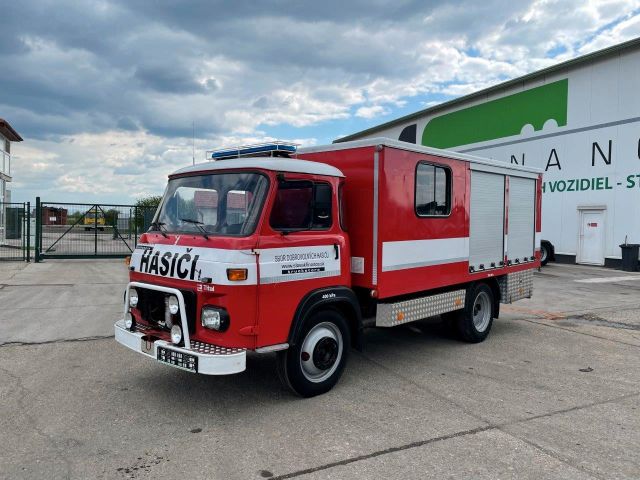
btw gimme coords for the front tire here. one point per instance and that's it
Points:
(475, 320)
(314, 364)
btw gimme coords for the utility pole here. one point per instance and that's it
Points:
(193, 158)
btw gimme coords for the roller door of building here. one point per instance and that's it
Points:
(486, 231)
(521, 225)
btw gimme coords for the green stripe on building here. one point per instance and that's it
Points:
(503, 117)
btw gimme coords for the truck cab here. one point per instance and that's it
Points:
(242, 255)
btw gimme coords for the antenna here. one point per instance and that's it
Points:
(193, 153)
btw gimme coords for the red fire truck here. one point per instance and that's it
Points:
(269, 249)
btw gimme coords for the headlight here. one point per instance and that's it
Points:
(128, 321)
(133, 297)
(176, 334)
(174, 306)
(215, 318)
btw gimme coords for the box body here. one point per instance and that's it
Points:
(491, 229)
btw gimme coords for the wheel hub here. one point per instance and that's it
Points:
(325, 353)
(482, 312)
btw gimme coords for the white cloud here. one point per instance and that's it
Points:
(372, 111)
(106, 97)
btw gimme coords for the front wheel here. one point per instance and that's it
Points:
(314, 364)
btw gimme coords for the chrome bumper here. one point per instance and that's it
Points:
(212, 359)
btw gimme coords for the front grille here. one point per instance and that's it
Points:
(151, 305)
(142, 328)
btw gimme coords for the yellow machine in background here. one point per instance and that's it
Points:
(94, 219)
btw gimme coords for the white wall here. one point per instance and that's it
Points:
(599, 92)
(4, 157)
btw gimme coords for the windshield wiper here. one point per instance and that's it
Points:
(198, 224)
(159, 226)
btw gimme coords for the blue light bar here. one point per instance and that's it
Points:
(260, 149)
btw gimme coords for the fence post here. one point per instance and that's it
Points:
(28, 232)
(38, 230)
(135, 226)
(95, 230)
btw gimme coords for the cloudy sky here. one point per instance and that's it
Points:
(106, 93)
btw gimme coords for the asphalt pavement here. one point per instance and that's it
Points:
(554, 392)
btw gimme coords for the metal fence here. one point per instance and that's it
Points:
(15, 231)
(84, 230)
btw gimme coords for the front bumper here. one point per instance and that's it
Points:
(211, 359)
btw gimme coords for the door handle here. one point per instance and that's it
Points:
(337, 250)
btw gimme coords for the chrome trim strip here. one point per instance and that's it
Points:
(272, 348)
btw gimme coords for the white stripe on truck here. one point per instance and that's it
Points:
(422, 253)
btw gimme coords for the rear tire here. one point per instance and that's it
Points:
(475, 320)
(314, 364)
(544, 254)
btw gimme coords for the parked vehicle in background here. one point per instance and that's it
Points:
(93, 219)
(298, 255)
(547, 252)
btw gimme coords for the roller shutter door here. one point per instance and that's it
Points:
(486, 235)
(521, 226)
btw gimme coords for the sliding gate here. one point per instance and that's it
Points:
(88, 230)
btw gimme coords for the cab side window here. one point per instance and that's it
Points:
(433, 190)
(302, 205)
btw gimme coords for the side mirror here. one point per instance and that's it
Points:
(322, 206)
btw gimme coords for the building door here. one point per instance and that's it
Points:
(591, 241)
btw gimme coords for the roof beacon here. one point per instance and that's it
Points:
(270, 149)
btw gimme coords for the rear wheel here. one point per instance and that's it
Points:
(544, 254)
(314, 364)
(474, 322)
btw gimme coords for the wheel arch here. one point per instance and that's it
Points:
(342, 299)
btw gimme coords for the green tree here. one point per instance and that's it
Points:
(111, 217)
(145, 210)
(73, 217)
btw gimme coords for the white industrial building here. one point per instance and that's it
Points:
(579, 121)
(7, 135)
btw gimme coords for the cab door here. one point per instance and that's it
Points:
(302, 248)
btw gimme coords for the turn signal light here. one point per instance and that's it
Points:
(236, 274)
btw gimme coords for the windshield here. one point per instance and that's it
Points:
(218, 204)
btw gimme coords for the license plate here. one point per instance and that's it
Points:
(184, 361)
